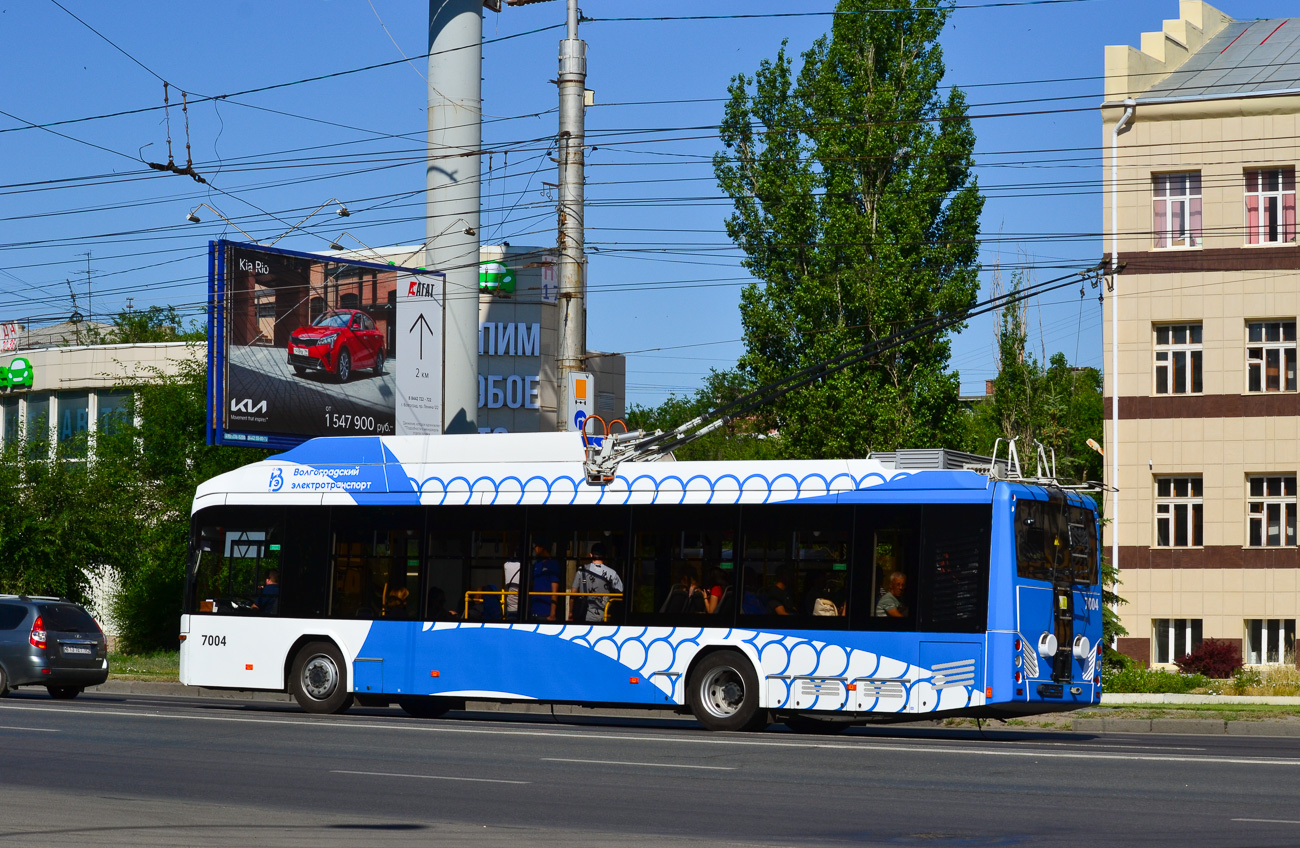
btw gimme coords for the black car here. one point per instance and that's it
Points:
(50, 642)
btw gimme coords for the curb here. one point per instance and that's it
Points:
(1186, 726)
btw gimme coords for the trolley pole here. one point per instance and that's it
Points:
(570, 155)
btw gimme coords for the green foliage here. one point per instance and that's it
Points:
(122, 507)
(62, 519)
(155, 324)
(856, 207)
(1058, 405)
(1136, 679)
(171, 458)
(742, 439)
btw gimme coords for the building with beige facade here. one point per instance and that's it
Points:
(1201, 132)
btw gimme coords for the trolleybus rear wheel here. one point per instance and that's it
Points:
(318, 680)
(724, 693)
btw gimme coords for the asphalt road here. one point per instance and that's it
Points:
(114, 770)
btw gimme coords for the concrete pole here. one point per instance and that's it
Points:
(570, 153)
(452, 198)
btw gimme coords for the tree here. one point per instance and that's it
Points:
(744, 438)
(856, 208)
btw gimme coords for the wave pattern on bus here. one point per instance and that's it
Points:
(662, 656)
(643, 489)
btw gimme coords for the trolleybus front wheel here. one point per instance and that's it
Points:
(318, 680)
(724, 693)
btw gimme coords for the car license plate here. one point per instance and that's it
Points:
(78, 651)
(300, 351)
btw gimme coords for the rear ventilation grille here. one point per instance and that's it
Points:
(951, 675)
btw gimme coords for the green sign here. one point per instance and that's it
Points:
(16, 375)
(495, 278)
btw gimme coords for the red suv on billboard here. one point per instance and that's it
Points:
(338, 342)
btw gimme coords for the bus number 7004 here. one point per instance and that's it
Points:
(216, 641)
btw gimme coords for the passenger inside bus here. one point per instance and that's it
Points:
(891, 603)
(545, 584)
(777, 597)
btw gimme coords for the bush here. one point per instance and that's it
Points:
(1138, 679)
(1212, 658)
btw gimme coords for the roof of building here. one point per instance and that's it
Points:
(1245, 57)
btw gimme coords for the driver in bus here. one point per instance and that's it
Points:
(268, 598)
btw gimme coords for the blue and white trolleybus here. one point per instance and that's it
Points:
(431, 570)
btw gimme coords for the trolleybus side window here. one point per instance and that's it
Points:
(375, 559)
(893, 572)
(795, 565)
(578, 537)
(236, 554)
(955, 568)
(684, 565)
(468, 551)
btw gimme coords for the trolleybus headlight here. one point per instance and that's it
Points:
(1047, 645)
(1082, 648)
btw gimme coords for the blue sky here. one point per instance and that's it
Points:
(664, 281)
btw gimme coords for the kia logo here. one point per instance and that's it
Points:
(246, 405)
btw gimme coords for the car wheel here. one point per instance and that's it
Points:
(424, 707)
(4, 682)
(818, 726)
(345, 365)
(318, 680)
(379, 363)
(63, 693)
(724, 693)
(299, 370)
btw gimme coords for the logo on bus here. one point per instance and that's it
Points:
(277, 480)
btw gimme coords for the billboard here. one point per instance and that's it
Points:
(302, 345)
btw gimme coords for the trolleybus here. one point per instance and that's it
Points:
(429, 571)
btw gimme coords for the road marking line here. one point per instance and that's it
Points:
(620, 763)
(1269, 821)
(428, 776)
(31, 729)
(334, 724)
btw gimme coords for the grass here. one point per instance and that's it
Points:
(163, 666)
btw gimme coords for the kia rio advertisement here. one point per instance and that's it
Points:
(308, 345)
(338, 343)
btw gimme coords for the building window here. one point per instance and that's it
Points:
(1270, 356)
(1178, 209)
(1270, 641)
(1175, 637)
(1270, 206)
(1178, 359)
(1271, 511)
(1179, 512)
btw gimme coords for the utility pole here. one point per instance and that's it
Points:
(571, 155)
(90, 305)
(452, 198)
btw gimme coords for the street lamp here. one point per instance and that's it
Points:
(193, 218)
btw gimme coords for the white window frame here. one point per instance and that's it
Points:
(1270, 641)
(1172, 344)
(1266, 197)
(1181, 636)
(1180, 508)
(1270, 345)
(1271, 511)
(1179, 230)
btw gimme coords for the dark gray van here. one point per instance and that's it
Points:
(50, 642)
